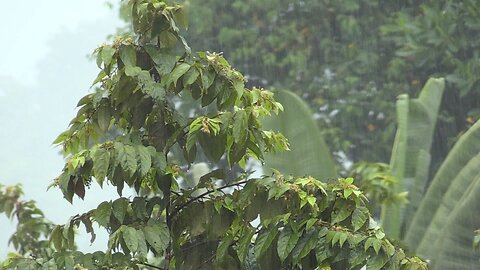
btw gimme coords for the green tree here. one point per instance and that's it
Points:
(350, 59)
(124, 135)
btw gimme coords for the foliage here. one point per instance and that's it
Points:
(448, 204)
(31, 234)
(309, 155)
(124, 135)
(449, 27)
(329, 52)
(379, 185)
(350, 59)
(411, 157)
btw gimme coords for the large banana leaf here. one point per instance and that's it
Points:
(453, 247)
(309, 154)
(458, 165)
(410, 159)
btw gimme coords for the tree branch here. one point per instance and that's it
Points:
(180, 207)
(150, 265)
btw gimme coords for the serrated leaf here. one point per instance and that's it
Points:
(144, 160)
(132, 71)
(69, 262)
(341, 212)
(142, 244)
(286, 242)
(139, 207)
(157, 236)
(130, 237)
(158, 158)
(277, 190)
(239, 87)
(56, 238)
(119, 209)
(107, 53)
(240, 126)
(343, 237)
(222, 249)
(164, 61)
(103, 117)
(102, 214)
(244, 244)
(129, 161)
(128, 55)
(304, 246)
(377, 262)
(359, 216)
(101, 161)
(191, 76)
(373, 242)
(264, 241)
(178, 72)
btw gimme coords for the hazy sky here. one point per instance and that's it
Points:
(26, 26)
(44, 70)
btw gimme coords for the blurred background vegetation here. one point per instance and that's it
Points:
(350, 59)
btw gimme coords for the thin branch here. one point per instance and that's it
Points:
(180, 207)
(150, 265)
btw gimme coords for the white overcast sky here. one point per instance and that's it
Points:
(27, 25)
(44, 70)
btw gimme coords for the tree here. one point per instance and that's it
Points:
(350, 59)
(124, 135)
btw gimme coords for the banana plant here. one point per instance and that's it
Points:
(309, 154)
(446, 216)
(439, 222)
(410, 158)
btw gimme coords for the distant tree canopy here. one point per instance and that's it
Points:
(351, 59)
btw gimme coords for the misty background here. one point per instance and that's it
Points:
(45, 68)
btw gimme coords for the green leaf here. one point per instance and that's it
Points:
(103, 117)
(119, 209)
(377, 262)
(244, 244)
(130, 237)
(56, 238)
(144, 159)
(157, 236)
(139, 207)
(132, 71)
(240, 126)
(222, 249)
(178, 72)
(128, 55)
(191, 76)
(102, 214)
(359, 217)
(304, 246)
(164, 61)
(264, 241)
(286, 242)
(142, 244)
(101, 161)
(129, 161)
(341, 212)
(107, 53)
(373, 242)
